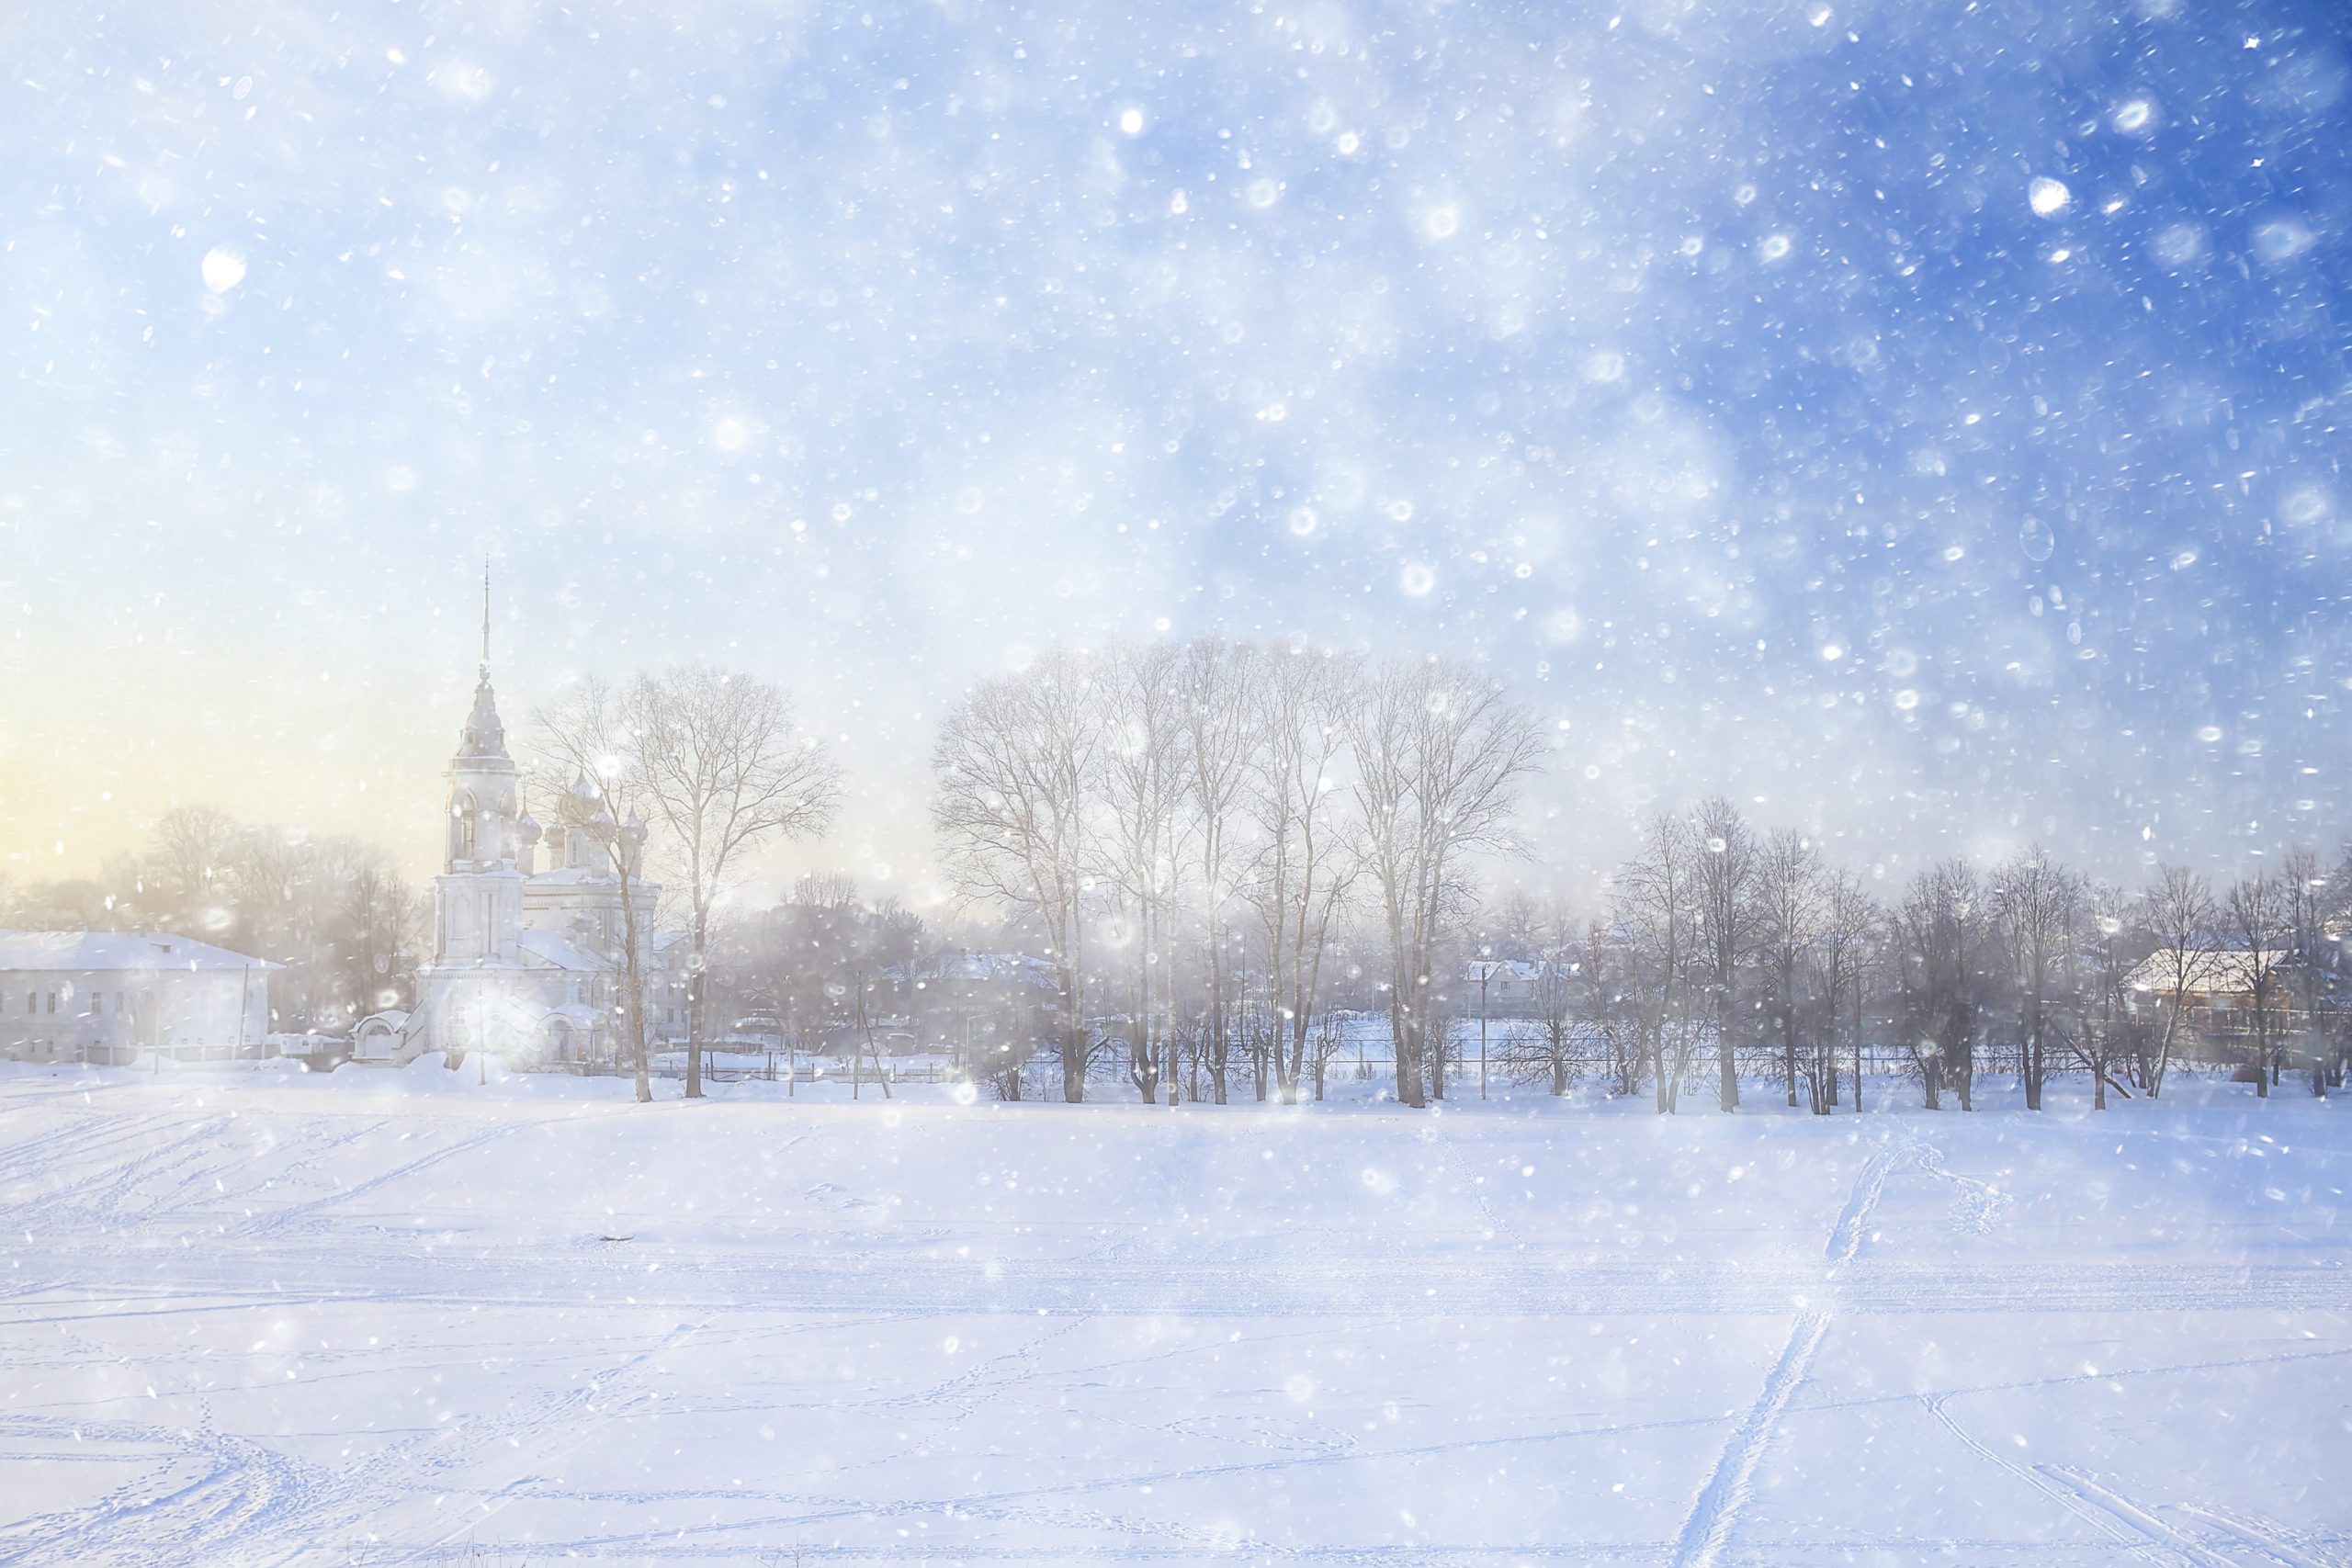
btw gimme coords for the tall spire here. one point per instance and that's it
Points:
(484, 735)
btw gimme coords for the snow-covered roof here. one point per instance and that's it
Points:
(1503, 968)
(569, 876)
(969, 966)
(118, 949)
(484, 738)
(2213, 971)
(554, 948)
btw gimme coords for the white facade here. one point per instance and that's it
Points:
(527, 964)
(113, 996)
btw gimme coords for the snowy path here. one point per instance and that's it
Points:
(321, 1322)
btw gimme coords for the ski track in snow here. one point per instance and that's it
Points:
(2032, 1476)
(458, 1270)
(239, 1490)
(1706, 1530)
(2268, 1536)
(149, 1216)
(2167, 1539)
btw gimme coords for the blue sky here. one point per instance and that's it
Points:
(1718, 373)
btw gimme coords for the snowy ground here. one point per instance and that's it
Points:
(396, 1317)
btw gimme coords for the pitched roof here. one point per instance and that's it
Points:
(553, 948)
(118, 949)
(966, 965)
(2211, 971)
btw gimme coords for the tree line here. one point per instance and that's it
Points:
(1141, 803)
(1219, 848)
(702, 765)
(1733, 953)
(1191, 830)
(334, 910)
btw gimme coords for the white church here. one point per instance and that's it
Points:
(527, 963)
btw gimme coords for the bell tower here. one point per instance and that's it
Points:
(478, 897)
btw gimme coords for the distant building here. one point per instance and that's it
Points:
(2219, 992)
(528, 964)
(974, 1004)
(1513, 985)
(112, 997)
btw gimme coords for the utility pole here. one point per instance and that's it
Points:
(1485, 967)
(1483, 971)
(1858, 1040)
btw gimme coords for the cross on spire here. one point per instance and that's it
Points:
(485, 618)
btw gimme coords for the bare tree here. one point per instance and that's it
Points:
(1842, 955)
(189, 857)
(2255, 914)
(2035, 906)
(1217, 681)
(1559, 987)
(1654, 897)
(1938, 932)
(1602, 1006)
(1301, 703)
(2303, 900)
(1725, 872)
(587, 733)
(1788, 916)
(1521, 927)
(723, 767)
(374, 906)
(1016, 766)
(2179, 914)
(2106, 1025)
(1440, 754)
(1142, 788)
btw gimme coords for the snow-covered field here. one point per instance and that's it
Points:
(394, 1317)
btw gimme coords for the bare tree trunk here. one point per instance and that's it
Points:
(1405, 1029)
(1438, 756)
(1857, 1044)
(694, 1006)
(1220, 1042)
(1789, 1045)
(2031, 1046)
(865, 1020)
(1435, 1042)
(633, 983)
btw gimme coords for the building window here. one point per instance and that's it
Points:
(52, 1003)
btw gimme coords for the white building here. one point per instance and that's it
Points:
(112, 997)
(1512, 984)
(527, 964)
